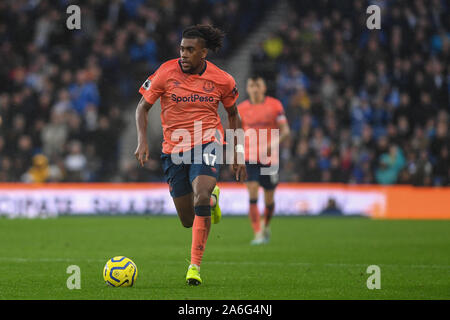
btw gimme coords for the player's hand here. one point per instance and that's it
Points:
(272, 146)
(141, 153)
(240, 172)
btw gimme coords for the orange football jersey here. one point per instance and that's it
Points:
(189, 103)
(267, 115)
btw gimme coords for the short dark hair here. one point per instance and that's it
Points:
(256, 76)
(213, 37)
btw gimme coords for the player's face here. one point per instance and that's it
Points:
(192, 53)
(256, 89)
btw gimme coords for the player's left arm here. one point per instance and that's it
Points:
(285, 131)
(283, 126)
(235, 122)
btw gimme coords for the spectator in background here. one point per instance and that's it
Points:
(441, 169)
(289, 82)
(106, 144)
(331, 208)
(23, 154)
(273, 46)
(41, 172)
(144, 49)
(63, 103)
(75, 162)
(6, 170)
(312, 172)
(83, 92)
(441, 138)
(75, 127)
(390, 166)
(54, 135)
(422, 170)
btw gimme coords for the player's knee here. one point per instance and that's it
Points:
(187, 224)
(202, 198)
(187, 221)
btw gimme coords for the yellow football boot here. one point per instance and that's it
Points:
(193, 276)
(216, 213)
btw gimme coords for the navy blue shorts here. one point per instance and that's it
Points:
(268, 182)
(180, 174)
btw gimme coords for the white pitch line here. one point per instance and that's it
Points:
(13, 259)
(273, 263)
(421, 266)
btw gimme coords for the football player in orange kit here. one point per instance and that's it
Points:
(261, 113)
(190, 89)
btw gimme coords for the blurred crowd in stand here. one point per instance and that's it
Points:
(64, 93)
(365, 106)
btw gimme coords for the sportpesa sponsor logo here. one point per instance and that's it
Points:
(192, 98)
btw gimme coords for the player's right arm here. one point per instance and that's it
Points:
(141, 124)
(151, 90)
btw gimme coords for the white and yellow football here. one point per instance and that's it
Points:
(120, 271)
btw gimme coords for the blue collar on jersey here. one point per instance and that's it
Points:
(200, 73)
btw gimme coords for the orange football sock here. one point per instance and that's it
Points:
(254, 217)
(200, 231)
(268, 213)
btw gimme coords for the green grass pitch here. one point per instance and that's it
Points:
(308, 258)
